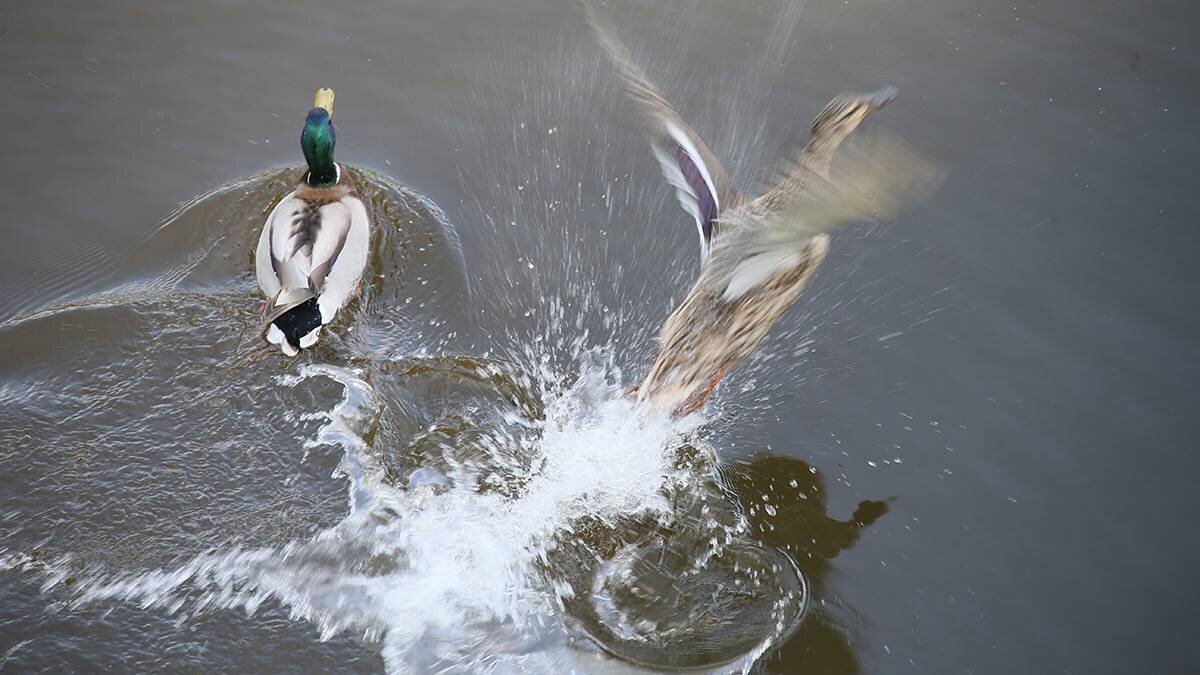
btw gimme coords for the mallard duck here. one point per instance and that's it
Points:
(758, 252)
(314, 246)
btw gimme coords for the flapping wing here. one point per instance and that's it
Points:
(701, 184)
(872, 180)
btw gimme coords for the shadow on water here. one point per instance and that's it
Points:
(797, 522)
(665, 594)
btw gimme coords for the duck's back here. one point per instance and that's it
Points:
(311, 256)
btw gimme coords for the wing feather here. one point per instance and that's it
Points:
(307, 249)
(292, 226)
(264, 267)
(353, 250)
(872, 180)
(702, 185)
(334, 223)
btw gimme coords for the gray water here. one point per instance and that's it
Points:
(974, 431)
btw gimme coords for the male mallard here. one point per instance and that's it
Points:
(758, 253)
(314, 246)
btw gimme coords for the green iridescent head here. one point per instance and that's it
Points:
(318, 139)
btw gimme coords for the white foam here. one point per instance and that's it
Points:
(458, 586)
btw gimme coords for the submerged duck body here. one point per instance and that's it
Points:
(314, 246)
(758, 252)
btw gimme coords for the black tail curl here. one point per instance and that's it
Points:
(299, 321)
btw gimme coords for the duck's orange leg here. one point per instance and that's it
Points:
(697, 401)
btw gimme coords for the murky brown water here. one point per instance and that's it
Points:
(974, 434)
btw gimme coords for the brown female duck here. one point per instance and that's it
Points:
(760, 252)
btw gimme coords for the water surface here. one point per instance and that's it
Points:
(973, 433)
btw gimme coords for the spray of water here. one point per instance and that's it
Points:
(450, 573)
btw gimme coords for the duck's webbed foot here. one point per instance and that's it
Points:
(263, 311)
(698, 399)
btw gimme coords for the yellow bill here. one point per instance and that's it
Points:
(324, 100)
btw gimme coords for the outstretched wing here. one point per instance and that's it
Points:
(701, 184)
(873, 180)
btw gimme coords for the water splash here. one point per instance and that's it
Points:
(454, 573)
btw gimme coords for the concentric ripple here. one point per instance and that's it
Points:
(655, 605)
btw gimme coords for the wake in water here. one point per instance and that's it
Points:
(597, 525)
